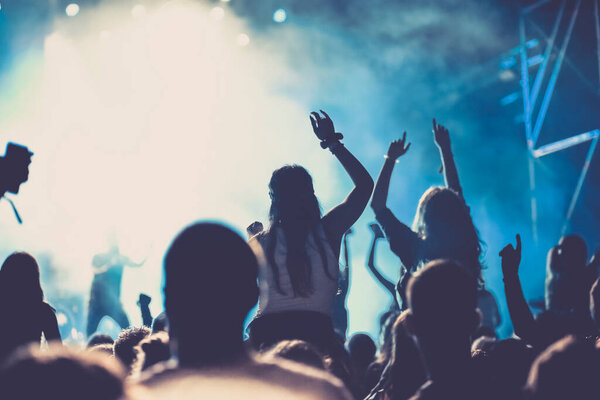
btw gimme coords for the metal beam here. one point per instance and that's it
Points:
(552, 82)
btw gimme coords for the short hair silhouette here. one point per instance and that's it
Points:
(61, 373)
(124, 346)
(568, 369)
(210, 286)
(443, 300)
(209, 271)
(361, 349)
(99, 338)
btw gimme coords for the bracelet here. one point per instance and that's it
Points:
(388, 158)
(332, 139)
(333, 147)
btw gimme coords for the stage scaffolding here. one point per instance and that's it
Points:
(537, 87)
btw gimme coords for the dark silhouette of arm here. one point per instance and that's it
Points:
(344, 215)
(144, 305)
(388, 285)
(522, 319)
(442, 140)
(403, 241)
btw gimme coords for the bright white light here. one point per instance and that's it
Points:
(61, 318)
(105, 35)
(242, 39)
(280, 15)
(138, 11)
(72, 10)
(217, 13)
(225, 1)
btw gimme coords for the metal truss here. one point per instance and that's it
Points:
(533, 93)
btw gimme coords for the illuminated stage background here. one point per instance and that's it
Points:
(145, 116)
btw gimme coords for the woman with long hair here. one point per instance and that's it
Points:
(442, 227)
(24, 312)
(301, 248)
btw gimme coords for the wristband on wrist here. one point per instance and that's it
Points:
(333, 147)
(335, 138)
(388, 158)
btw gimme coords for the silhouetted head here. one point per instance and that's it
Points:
(102, 348)
(99, 338)
(210, 282)
(154, 349)
(298, 351)
(566, 277)
(61, 373)
(444, 221)
(361, 349)
(293, 197)
(124, 347)
(14, 168)
(442, 299)
(20, 280)
(568, 369)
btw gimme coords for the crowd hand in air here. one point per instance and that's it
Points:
(441, 136)
(511, 258)
(254, 228)
(323, 128)
(398, 148)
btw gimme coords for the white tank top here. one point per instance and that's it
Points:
(324, 291)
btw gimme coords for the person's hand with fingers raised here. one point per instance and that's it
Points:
(323, 127)
(511, 258)
(441, 136)
(397, 148)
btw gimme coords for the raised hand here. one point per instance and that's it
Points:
(511, 258)
(254, 228)
(441, 136)
(323, 126)
(398, 148)
(377, 232)
(143, 300)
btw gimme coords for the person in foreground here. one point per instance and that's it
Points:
(210, 286)
(443, 315)
(302, 249)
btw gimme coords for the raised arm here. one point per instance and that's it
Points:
(403, 241)
(442, 140)
(342, 217)
(523, 323)
(388, 285)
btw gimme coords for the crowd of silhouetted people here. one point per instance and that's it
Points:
(437, 338)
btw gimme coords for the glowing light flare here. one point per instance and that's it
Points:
(72, 10)
(280, 15)
(138, 11)
(242, 40)
(217, 13)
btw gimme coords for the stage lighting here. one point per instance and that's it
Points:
(72, 10)
(280, 15)
(217, 13)
(138, 11)
(243, 39)
(225, 1)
